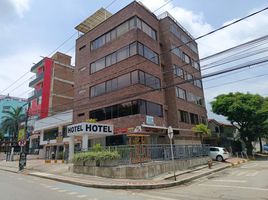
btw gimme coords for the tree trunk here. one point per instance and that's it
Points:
(260, 144)
(249, 148)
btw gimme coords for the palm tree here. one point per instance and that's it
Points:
(203, 130)
(12, 120)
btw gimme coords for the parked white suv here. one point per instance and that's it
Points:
(218, 153)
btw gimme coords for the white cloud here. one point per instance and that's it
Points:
(21, 6)
(241, 32)
(14, 66)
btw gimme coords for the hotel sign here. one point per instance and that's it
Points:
(90, 129)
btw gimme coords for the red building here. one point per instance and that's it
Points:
(53, 86)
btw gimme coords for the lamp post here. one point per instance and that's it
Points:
(170, 135)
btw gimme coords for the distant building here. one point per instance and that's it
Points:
(119, 60)
(6, 104)
(223, 134)
(53, 92)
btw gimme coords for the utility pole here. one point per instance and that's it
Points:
(170, 135)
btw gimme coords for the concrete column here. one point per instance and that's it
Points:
(30, 143)
(57, 152)
(71, 148)
(85, 142)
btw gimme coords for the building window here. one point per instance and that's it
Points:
(203, 120)
(181, 93)
(176, 51)
(123, 28)
(187, 59)
(5, 109)
(123, 54)
(81, 114)
(148, 53)
(194, 118)
(50, 134)
(198, 83)
(39, 100)
(178, 71)
(184, 116)
(97, 90)
(125, 81)
(126, 109)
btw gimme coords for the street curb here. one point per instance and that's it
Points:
(9, 170)
(117, 186)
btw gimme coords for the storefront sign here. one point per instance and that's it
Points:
(90, 129)
(149, 120)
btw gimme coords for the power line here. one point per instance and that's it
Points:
(236, 81)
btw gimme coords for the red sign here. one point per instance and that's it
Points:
(22, 143)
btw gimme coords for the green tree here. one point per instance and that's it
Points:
(12, 120)
(202, 130)
(246, 112)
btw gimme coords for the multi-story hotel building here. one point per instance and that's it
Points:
(124, 65)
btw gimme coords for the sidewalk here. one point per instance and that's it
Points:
(61, 172)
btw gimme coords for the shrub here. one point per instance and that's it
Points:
(97, 156)
(97, 148)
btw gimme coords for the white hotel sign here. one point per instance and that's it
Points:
(92, 129)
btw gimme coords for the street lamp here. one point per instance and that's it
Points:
(170, 135)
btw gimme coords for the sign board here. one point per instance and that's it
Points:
(59, 139)
(22, 143)
(149, 120)
(170, 132)
(92, 129)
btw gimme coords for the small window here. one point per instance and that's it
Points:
(108, 37)
(132, 23)
(142, 77)
(122, 53)
(81, 114)
(82, 69)
(123, 28)
(134, 77)
(133, 49)
(81, 92)
(140, 49)
(82, 47)
(124, 81)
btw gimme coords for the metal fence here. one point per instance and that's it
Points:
(133, 154)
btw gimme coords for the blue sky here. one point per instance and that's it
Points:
(30, 29)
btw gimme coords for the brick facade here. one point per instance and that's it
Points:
(84, 80)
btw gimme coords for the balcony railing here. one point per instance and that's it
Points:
(34, 94)
(36, 79)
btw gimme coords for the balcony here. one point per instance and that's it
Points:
(34, 94)
(36, 79)
(36, 66)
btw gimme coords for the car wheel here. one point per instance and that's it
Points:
(219, 158)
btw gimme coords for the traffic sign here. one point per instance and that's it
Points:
(22, 143)
(170, 132)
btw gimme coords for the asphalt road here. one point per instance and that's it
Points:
(250, 181)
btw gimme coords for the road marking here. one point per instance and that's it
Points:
(72, 193)
(230, 181)
(54, 188)
(252, 174)
(62, 190)
(81, 196)
(249, 166)
(241, 173)
(238, 187)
